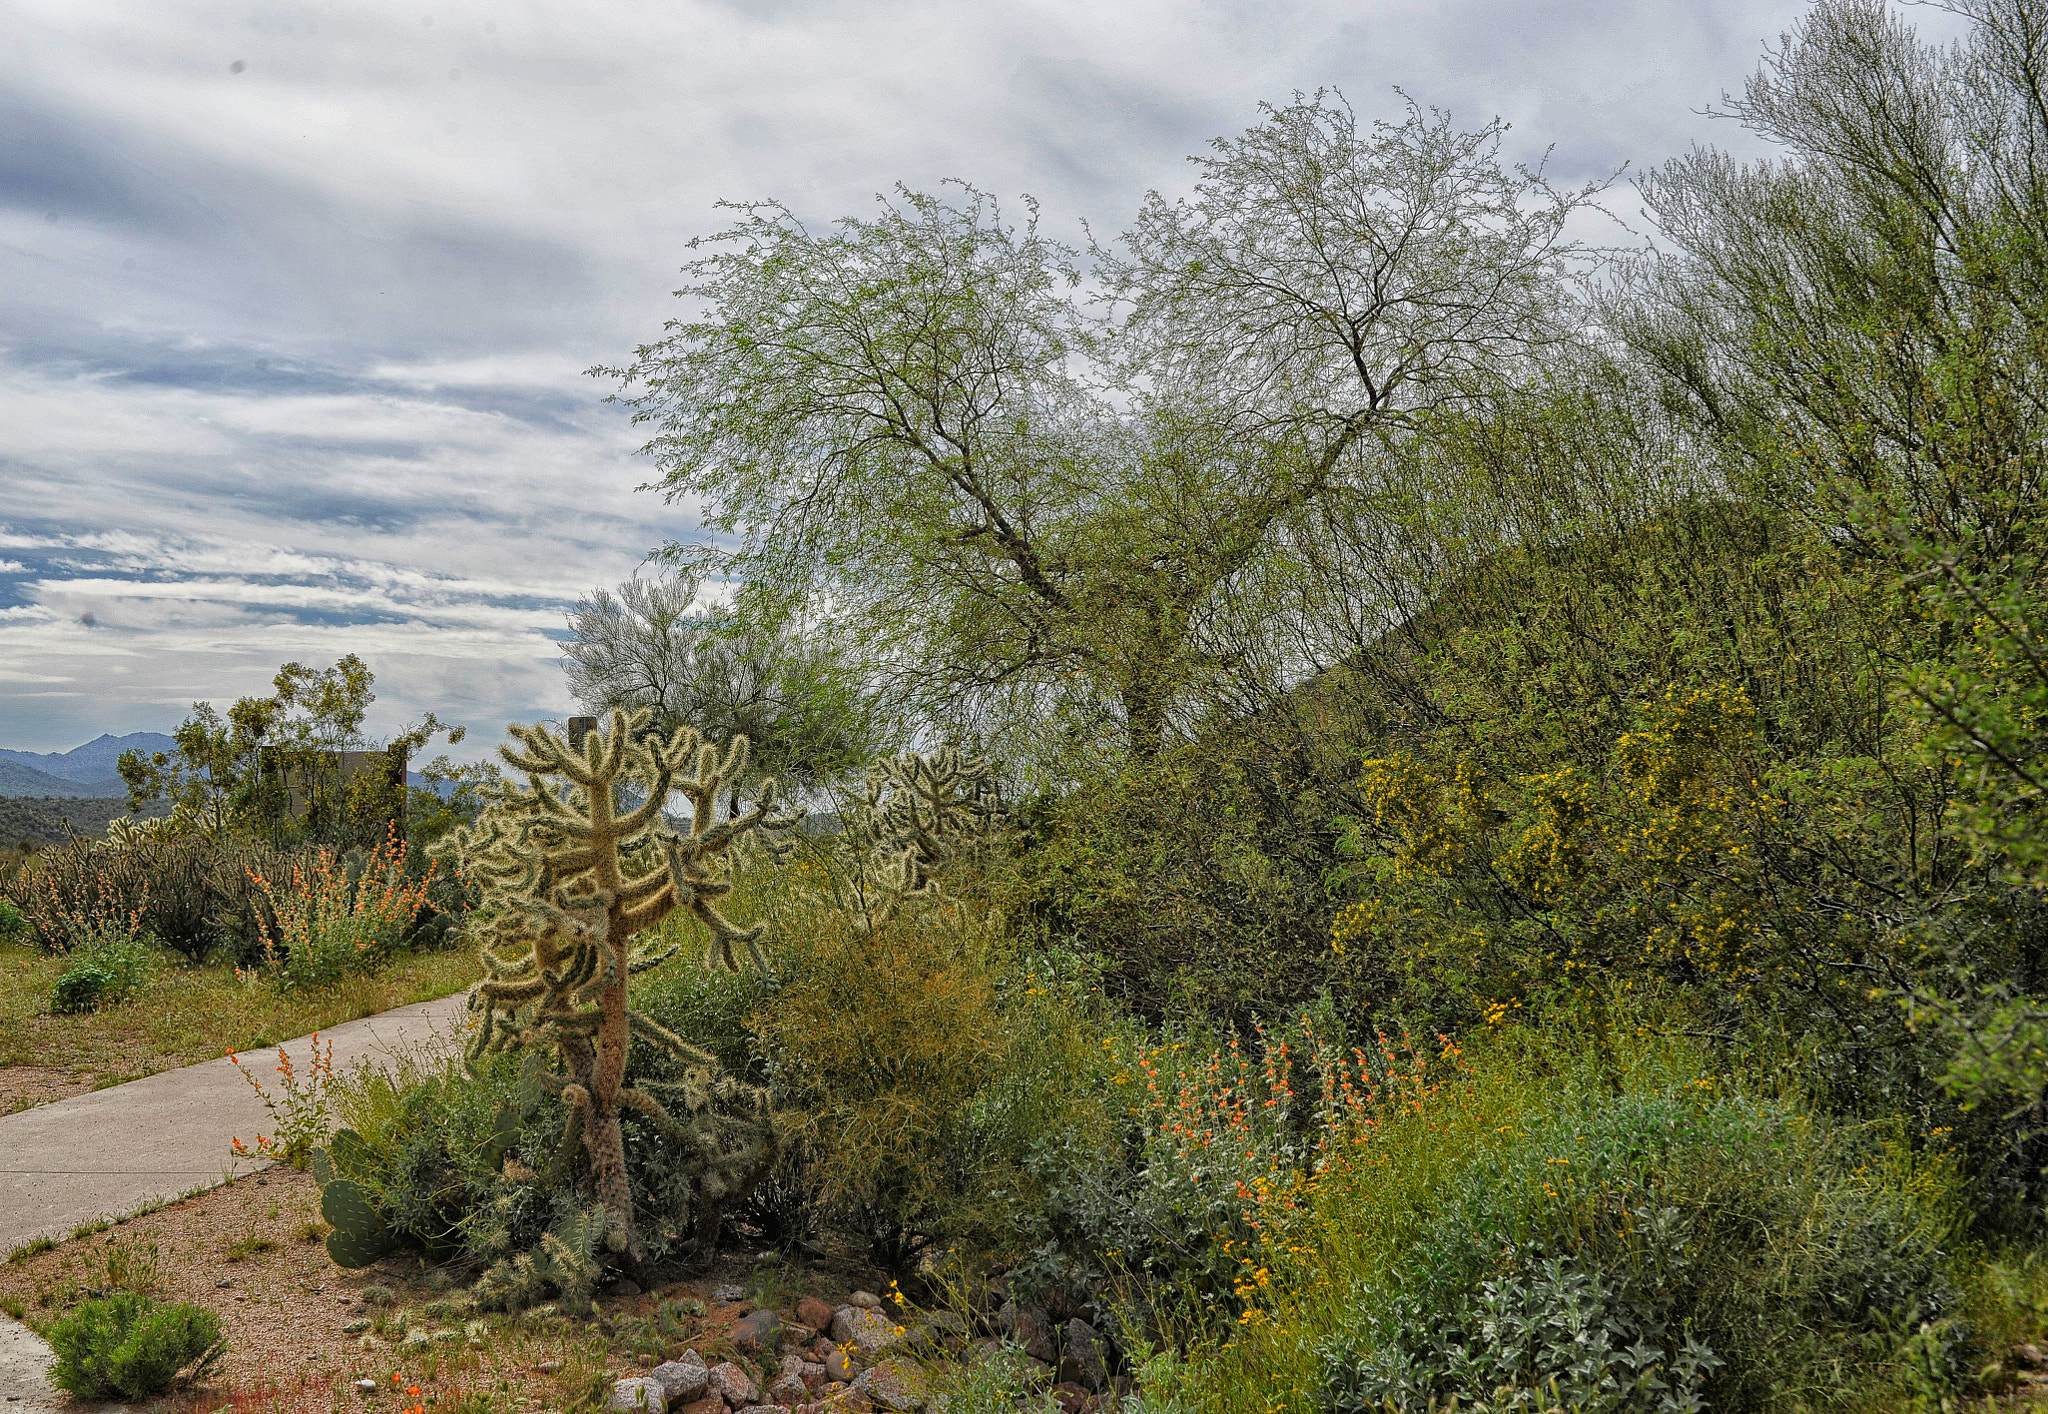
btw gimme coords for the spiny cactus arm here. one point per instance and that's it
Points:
(674, 1045)
(720, 835)
(546, 754)
(647, 961)
(509, 996)
(659, 783)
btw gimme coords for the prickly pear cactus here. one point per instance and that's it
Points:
(360, 1233)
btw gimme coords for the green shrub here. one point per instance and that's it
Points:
(107, 968)
(1645, 1240)
(130, 1347)
(13, 922)
(912, 1068)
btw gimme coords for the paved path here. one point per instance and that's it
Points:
(106, 1154)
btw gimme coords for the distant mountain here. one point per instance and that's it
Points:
(96, 762)
(17, 780)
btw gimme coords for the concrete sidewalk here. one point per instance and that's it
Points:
(106, 1154)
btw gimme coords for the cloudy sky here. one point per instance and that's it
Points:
(295, 296)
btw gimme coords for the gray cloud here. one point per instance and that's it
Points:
(290, 354)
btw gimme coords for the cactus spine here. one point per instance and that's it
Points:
(570, 877)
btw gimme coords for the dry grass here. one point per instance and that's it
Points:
(189, 1014)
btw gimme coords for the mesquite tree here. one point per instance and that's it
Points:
(572, 875)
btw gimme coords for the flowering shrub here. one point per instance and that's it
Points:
(336, 916)
(1226, 1144)
(301, 1112)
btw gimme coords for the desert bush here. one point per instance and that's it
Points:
(1609, 1220)
(1196, 877)
(191, 891)
(910, 1076)
(109, 965)
(14, 925)
(331, 917)
(130, 1347)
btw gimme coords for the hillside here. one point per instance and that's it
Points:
(43, 820)
(19, 780)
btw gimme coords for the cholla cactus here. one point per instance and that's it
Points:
(916, 815)
(571, 876)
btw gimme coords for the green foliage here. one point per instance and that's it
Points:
(1669, 1243)
(106, 969)
(14, 924)
(913, 1072)
(1232, 927)
(746, 668)
(192, 892)
(328, 918)
(272, 766)
(130, 1347)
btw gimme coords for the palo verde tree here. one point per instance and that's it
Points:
(1026, 512)
(756, 673)
(572, 876)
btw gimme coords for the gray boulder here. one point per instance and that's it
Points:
(681, 1380)
(735, 1384)
(868, 1331)
(640, 1394)
(756, 1333)
(1085, 1363)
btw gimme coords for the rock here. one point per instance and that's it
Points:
(355, 1327)
(709, 1404)
(945, 1323)
(639, 1395)
(728, 1292)
(735, 1384)
(864, 1301)
(366, 1386)
(691, 1357)
(2030, 1356)
(801, 1335)
(813, 1375)
(1030, 1329)
(868, 1330)
(1073, 1399)
(625, 1286)
(886, 1387)
(548, 1367)
(1085, 1363)
(789, 1389)
(681, 1381)
(756, 1333)
(763, 1409)
(814, 1313)
(837, 1365)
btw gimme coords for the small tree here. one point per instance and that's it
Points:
(571, 877)
(744, 669)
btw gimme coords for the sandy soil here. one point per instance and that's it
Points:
(22, 1086)
(300, 1332)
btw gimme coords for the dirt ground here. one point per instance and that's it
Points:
(301, 1333)
(23, 1086)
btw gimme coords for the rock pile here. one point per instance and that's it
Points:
(850, 1360)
